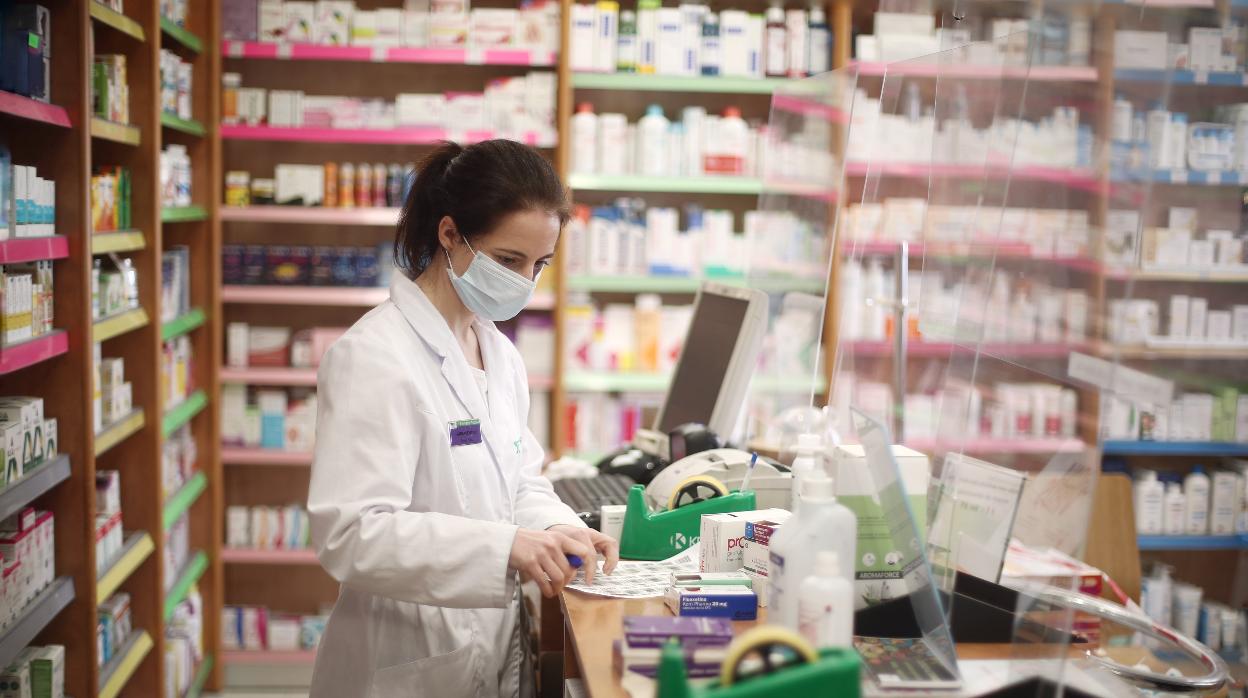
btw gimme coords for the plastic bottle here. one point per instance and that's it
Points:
(1149, 494)
(1158, 137)
(1196, 513)
(394, 186)
(612, 142)
(821, 524)
(585, 139)
(820, 47)
(809, 460)
(1173, 509)
(652, 142)
(363, 185)
(694, 119)
(729, 150)
(797, 31)
(710, 54)
(379, 185)
(825, 604)
(1122, 120)
(646, 321)
(330, 199)
(874, 318)
(346, 185)
(1178, 141)
(647, 34)
(775, 43)
(626, 44)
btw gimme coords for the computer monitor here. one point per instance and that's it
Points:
(720, 354)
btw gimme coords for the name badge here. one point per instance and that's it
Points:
(466, 432)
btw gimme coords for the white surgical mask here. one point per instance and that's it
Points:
(489, 289)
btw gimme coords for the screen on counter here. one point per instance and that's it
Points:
(699, 378)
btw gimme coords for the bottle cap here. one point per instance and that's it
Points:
(654, 110)
(584, 108)
(732, 113)
(827, 563)
(817, 486)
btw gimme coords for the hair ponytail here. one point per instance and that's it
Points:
(476, 186)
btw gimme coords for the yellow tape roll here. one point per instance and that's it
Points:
(757, 652)
(690, 486)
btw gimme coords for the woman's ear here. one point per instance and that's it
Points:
(448, 234)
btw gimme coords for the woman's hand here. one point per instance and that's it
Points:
(542, 556)
(602, 545)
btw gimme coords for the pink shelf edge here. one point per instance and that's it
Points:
(1003, 445)
(232, 455)
(418, 135)
(16, 250)
(310, 214)
(264, 375)
(268, 657)
(34, 110)
(797, 105)
(918, 68)
(305, 295)
(269, 557)
(985, 248)
(15, 357)
(394, 54)
(930, 349)
(1072, 177)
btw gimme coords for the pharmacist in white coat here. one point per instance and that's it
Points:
(426, 498)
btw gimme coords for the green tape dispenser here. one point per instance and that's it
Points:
(658, 535)
(766, 661)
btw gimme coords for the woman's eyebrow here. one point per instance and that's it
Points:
(512, 253)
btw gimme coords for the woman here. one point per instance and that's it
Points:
(426, 497)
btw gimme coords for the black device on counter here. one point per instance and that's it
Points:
(587, 495)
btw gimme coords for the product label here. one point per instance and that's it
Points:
(888, 562)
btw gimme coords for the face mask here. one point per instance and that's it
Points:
(489, 289)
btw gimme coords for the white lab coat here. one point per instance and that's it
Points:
(418, 532)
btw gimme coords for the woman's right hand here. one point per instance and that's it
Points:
(541, 556)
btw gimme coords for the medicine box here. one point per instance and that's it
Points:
(1140, 49)
(723, 535)
(732, 602)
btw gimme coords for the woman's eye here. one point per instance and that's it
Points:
(537, 268)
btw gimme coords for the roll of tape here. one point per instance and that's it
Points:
(762, 650)
(692, 487)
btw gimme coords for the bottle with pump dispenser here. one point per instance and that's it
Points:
(1149, 496)
(825, 605)
(819, 524)
(1196, 492)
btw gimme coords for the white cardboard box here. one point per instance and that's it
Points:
(723, 536)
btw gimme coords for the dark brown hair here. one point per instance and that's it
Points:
(476, 186)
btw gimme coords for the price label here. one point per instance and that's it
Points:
(1178, 176)
(1214, 177)
(1201, 77)
(234, 49)
(379, 54)
(475, 56)
(284, 51)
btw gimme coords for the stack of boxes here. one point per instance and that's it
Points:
(184, 645)
(704, 640)
(177, 550)
(267, 528)
(27, 201)
(110, 199)
(29, 558)
(253, 628)
(113, 627)
(27, 439)
(109, 538)
(110, 91)
(178, 458)
(26, 292)
(37, 672)
(115, 401)
(115, 288)
(26, 50)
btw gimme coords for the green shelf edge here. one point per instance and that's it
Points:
(679, 185)
(201, 677)
(183, 413)
(117, 20)
(183, 214)
(183, 499)
(673, 83)
(188, 40)
(182, 324)
(177, 123)
(186, 578)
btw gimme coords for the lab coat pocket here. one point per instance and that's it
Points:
(441, 676)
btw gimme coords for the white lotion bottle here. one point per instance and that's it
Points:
(652, 142)
(1149, 493)
(1196, 489)
(585, 139)
(1175, 507)
(825, 605)
(821, 524)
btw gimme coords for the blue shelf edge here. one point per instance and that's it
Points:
(1235, 542)
(1183, 77)
(1173, 448)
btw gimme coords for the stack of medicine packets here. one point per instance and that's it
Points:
(756, 554)
(713, 594)
(705, 641)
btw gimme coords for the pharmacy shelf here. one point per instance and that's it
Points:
(183, 412)
(18, 250)
(178, 33)
(809, 190)
(607, 382)
(244, 556)
(119, 431)
(112, 131)
(680, 185)
(637, 82)
(683, 284)
(183, 499)
(812, 105)
(943, 70)
(35, 617)
(123, 241)
(115, 674)
(1218, 178)
(262, 657)
(1174, 448)
(183, 214)
(1182, 77)
(15, 357)
(33, 110)
(182, 324)
(1077, 178)
(190, 127)
(986, 249)
(187, 577)
(998, 445)
(1206, 275)
(118, 324)
(386, 217)
(111, 18)
(268, 376)
(1034, 350)
(34, 484)
(393, 136)
(196, 688)
(264, 456)
(137, 548)
(1194, 353)
(380, 54)
(1234, 542)
(306, 295)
